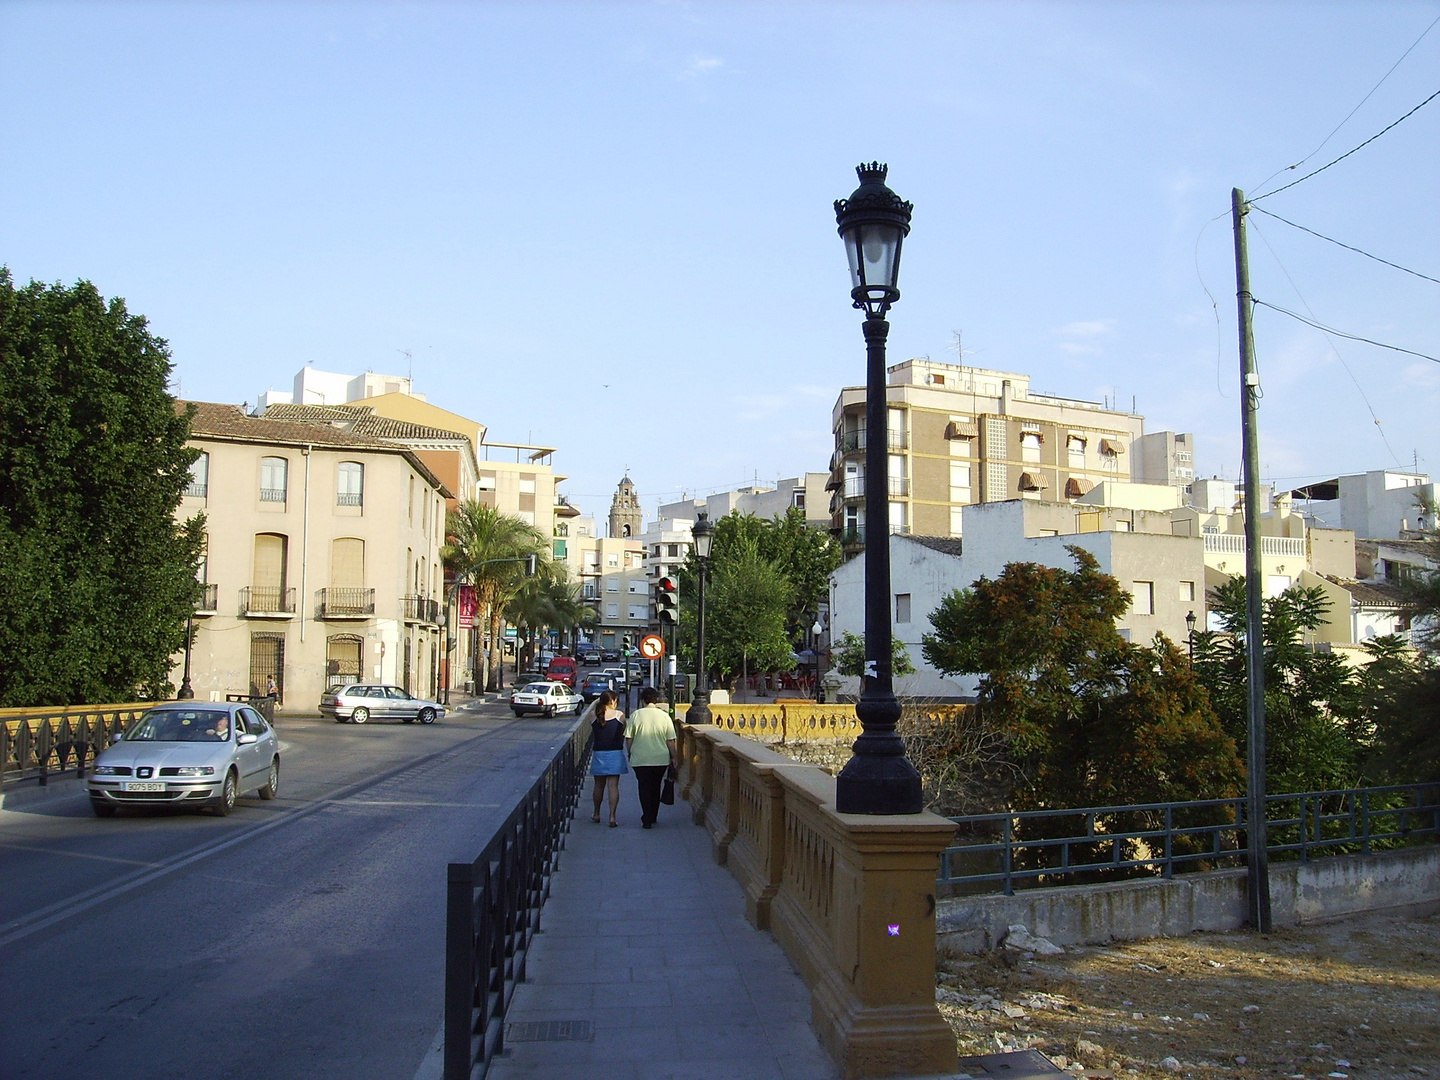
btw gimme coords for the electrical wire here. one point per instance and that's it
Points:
(1353, 111)
(1347, 247)
(1347, 153)
(1331, 342)
(1214, 304)
(1342, 333)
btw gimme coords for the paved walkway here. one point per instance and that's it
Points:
(646, 938)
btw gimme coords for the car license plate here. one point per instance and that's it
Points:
(134, 785)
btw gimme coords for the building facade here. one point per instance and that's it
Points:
(611, 573)
(807, 493)
(321, 562)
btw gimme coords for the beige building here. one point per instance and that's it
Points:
(611, 573)
(959, 435)
(322, 558)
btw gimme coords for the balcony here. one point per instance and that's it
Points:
(209, 602)
(854, 487)
(196, 490)
(267, 602)
(421, 609)
(853, 537)
(272, 494)
(347, 498)
(1285, 547)
(346, 603)
(850, 442)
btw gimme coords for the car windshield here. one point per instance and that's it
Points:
(536, 688)
(181, 725)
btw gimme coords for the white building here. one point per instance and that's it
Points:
(1377, 505)
(806, 493)
(314, 387)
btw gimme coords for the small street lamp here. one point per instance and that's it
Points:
(703, 535)
(815, 632)
(878, 779)
(1190, 635)
(186, 691)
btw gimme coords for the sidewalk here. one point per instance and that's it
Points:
(645, 938)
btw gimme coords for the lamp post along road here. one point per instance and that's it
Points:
(703, 535)
(878, 779)
(187, 691)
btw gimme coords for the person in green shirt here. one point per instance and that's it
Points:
(650, 741)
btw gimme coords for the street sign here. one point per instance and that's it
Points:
(652, 646)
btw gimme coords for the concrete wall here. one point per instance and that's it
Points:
(1322, 889)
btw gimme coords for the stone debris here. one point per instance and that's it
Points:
(1086, 1048)
(1251, 1009)
(1019, 939)
(1170, 1064)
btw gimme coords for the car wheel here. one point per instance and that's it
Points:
(407, 719)
(518, 712)
(225, 801)
(360, 715)
(339, 719)
(272, 785)
(102, 809)
(427, 716)
(550, 710)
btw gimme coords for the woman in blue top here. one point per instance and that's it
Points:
(607, 756)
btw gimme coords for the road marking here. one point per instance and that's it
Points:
(398, 802)
(61, 910)
(75, 854)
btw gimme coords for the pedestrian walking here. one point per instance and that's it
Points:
(607, 753)
(650, 738)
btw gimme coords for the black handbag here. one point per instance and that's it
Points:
(667, 791)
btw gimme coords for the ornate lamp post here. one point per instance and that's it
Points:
(1190, 635)
(815, 632)
(703, 535)
(186, 691)
(878, 779)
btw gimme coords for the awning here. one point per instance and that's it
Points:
(1033, 482)
(961, 429)
(1075, 487)
(1110, 446)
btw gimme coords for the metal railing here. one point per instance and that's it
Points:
(492, 909)
(349, 498)
(209, 602)
(847, 442)
(264, 705)
(196, 489)
(43, 742)
(421, 609)
(272, 494)
(1059, 847)
(267, 600)
(346, 603)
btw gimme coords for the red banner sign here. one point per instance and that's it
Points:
(466, 607)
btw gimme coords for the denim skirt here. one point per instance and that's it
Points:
(608, 763)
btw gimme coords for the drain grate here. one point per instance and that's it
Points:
(551, 1031)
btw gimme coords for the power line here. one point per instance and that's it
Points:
(1347, 153)
(1347, 247)
(1353, 111)
(1342, 333)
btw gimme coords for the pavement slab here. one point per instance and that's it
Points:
(645, 937)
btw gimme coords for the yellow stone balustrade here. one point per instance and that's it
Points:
(784, 719)
(849, 897)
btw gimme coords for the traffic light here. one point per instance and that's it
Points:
(625, 645)
(667, 601)
(532, 565)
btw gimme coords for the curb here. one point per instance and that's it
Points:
(30, 792)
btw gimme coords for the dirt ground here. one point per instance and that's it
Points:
(1357, 999)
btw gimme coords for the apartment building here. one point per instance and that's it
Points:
(611, 573)
(807, 493)
(321, 561)
(1383, 504)
(958, 436)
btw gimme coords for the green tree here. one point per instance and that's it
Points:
(487, 549)
(98, 577)
(745, 614)
(1315, 731)
(803, 555)
(547, 601)
(850, 656)
(1090, 718)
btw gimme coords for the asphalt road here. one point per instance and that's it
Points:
(296, 938)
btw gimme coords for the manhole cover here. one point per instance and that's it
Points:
(551, 1031)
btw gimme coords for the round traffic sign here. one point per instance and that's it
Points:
(652, 646)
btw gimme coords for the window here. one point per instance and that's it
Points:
(199, 485)
(639, 611)
(1075, 447)
(1030, 445)
(960, 481)
(1187, 591)
(527, 483)
(612, 611)
(672, 550)
(350, 484)
(897, 517)
(559, 547)
(202, 564)
(527, 516)
(797, 498)
(274, 478)
(1144, 598)
(936, 379)
(347, 566)
(561, 529)
(957, 515)
(485, 482)
(655, 550)
(591, 593)
(612, 559)
(412, 499)
(639, 585)
(612, 584)
(1124, 526)
(902, 607)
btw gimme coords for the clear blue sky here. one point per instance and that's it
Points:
(608, 227)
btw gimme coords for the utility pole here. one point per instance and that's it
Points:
(1258, 860)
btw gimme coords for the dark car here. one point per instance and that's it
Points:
(595, 684)
(609, 656)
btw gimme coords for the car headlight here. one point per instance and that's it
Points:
(195, 770)
(107, 770)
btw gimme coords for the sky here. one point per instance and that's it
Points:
(608, 228)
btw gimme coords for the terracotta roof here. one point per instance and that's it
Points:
(1370, 594)
(359, 420)
(946, 545)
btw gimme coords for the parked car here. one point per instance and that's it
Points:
(183, 753)
(362, 702)
(609, 656)
(563, 669)
(546, 698)
(595, 684)
(587, 654)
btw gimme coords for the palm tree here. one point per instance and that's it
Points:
(549, 600)
(488, 549)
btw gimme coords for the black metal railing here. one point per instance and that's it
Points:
(421, 609)
(267, 600)
(262, 704)
(209, 602)
(43, 743)
(847, 442)
(346, 603)
(492, 909)
(1066, 847)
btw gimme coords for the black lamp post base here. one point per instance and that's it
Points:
(876, 784)
(699, 711)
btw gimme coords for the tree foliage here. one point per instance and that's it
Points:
(850, 656)
(98, 576)
(547, 601)
(1091, 719)
(745, 614)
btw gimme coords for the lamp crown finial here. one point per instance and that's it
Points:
(874, 171)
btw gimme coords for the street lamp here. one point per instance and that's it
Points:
(186, 691)
(878, 779)
(703, 535)
(1190, 634)
(815, 632)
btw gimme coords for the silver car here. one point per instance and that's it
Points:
(362, 702)
(546, 698)
(188, 753)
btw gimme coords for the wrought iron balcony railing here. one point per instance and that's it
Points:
(267, 601)
(849, 442)
(209, 602)
(421, 609)
(347, 603)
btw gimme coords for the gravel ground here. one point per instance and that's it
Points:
(1357, 999)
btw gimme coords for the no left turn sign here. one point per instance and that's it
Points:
(652, 646)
